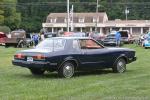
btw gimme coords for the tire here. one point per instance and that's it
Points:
(35, 71)
(21, 45)
(119, 66)
(28, 45)
(66, 70)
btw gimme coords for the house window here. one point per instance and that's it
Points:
(95, 19)
(65, 20)
(49, 21)
(53, 20)
(81, 20)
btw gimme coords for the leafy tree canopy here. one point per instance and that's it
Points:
(29, 14)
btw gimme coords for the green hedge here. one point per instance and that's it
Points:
(5, 29)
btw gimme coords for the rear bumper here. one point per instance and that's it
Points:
(34, 64)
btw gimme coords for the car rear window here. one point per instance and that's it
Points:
(52, 44)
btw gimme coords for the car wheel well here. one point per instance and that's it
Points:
(67, 69)
(123, 57)
(74, 62)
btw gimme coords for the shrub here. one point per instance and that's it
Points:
(5, 29)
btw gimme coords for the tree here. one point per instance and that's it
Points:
(9, 15)
(1, 17)
(12, 17)
(1, 14)
(5, 29)
(34, 12)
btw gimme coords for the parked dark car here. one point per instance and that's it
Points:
(69, 54)
(110, 40)
(50, 34)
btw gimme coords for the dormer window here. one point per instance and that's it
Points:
(81, 20)
(53, 20)
(65, 20)
(95, 19)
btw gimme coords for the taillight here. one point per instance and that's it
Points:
(39, 57)
(19, 56)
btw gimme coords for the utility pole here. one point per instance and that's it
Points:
(71, 18)
(97, 5)
(126, 12)
(68, 17)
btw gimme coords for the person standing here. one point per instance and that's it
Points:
(36, 39)
(118, 38)
(42, 36)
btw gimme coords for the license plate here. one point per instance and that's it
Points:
(29, 59)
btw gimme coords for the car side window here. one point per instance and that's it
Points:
(89, 44)
(75, 44)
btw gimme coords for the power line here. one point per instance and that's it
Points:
(71, 3)
(87, 3)
(131, 3)
(49, 3)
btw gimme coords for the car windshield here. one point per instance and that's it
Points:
(2, 35)
(111, 35)
(52, 44)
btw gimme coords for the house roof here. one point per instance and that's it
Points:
(88, 17)
(128, 21)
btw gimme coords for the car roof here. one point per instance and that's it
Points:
(71, 37)
(47, 33)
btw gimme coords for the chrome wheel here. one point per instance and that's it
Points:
(67, 70)
(120, 66)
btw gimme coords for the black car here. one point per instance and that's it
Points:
(110, 40)
(69, 54)
(50, 34)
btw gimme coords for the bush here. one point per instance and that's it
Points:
(5, 29)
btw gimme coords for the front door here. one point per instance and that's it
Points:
(93, 54)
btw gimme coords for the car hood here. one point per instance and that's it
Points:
(109, 39)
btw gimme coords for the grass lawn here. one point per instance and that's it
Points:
(18, 83)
